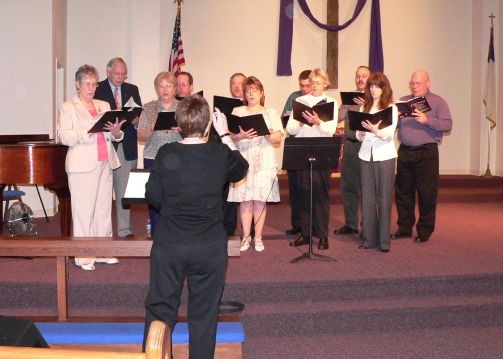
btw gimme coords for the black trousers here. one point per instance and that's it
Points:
(321, 202)
(205, 266)
(294, 190)
(351, 183)
(417, 172)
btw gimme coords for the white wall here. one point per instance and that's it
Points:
(222, 37)
(447, 37)
(26, 74)
(26, 66)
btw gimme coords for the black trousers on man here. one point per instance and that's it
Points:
(321, 202)
(294, 190)
(417, 172)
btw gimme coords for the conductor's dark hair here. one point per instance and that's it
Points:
(193, 116)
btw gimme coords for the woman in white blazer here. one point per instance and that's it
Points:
(377, 160)
(89, 161)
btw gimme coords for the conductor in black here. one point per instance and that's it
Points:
(190, 241)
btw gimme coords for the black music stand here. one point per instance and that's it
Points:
(311, 153)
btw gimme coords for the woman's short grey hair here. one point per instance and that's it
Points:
(86, 70)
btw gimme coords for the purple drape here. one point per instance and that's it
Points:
(286, 31)
(376, 58)
(283, 66)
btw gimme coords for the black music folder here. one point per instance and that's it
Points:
(256, 122)
(129, 112)
(325, 111)
(103, 118)
(356, 119)
(348, 98)
(406, 108)
(284, 120)
(226, 104)
(165, 121)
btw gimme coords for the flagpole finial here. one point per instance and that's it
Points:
(492, 17)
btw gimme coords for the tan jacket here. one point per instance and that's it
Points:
(73, 123)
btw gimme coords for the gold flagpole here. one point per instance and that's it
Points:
(488, 173)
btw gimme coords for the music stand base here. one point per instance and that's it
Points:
(313, 256)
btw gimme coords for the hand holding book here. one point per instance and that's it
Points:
(381, 119)
(114, 128)
(313, 115)
(352, 98)
(370, 127)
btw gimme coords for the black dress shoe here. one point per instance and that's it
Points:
(292, 231)
(422, 239)
(323, 244)
(385, 250)
(345, 230)
(301, 241)
(398, 235)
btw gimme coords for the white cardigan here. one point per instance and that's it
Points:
(380, 146)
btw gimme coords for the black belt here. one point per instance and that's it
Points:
(420, 147)
(352, 140)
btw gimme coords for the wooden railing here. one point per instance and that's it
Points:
(63, 247)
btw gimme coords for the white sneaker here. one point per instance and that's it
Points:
(112, 260)
(245, 244)
(259, 244)
(88, 266)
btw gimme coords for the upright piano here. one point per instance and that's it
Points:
(35, 159)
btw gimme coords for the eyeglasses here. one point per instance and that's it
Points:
(89, 84)
(119, 74)
(164, 87)
(317, 82)
(182, 84)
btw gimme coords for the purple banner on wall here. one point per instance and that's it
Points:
(376, 57)
(284, 67)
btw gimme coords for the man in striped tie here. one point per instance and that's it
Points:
(116, 91)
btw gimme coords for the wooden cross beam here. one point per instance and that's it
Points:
(492, 17)
(333, 44)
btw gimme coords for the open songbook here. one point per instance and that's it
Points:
(356, 119)
(348, 98)
(165, 121)
(256, 122)
(325, 111)
(406, 108)
(226, 104)
(129, 112)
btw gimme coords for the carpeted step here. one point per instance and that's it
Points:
(273, 320)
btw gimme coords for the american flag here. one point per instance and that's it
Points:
(490, 90)
(176, 58)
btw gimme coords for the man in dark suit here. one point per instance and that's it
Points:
(117, 92)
